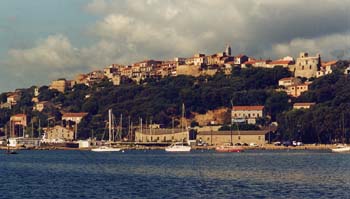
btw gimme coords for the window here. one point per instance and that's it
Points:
(239, 137)
(306, 62)
(259, 137)
(302, 68)
(310, 67)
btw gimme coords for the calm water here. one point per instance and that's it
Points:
(156, 174)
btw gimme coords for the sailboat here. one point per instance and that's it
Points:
(111, 133)
(342, 148)
(179, 146)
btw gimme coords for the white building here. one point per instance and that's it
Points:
(248, 114)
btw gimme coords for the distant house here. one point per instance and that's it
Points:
(297, 89)
(247, 114)
(304, 105)
(13, 98)
(40, 106)
(74, 117)
(240, 59)
(288, 81)
(283, 63)
(326, 68)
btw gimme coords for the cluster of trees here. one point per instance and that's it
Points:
(326, 122)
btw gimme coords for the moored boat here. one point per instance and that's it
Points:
(106, 149)
(228, 148)
(178, 147)
(341, 149)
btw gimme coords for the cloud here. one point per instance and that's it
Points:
(330, 46)
(126, 31)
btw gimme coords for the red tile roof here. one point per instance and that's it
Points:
(247, 108)
(286, 78)
(324, 64)
(82, 114)
(282, 62)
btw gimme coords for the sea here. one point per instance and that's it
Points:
(157, 174)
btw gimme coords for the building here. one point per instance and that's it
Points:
(17, 124)
(74, 117)
(297, 89)
(58, 134)
(326, 68)
(60, 85)
(304, 105)
(13, 98)
(228, 50)
(307, 66)
(40, 106)
(288, 81)
(240, 59)
(283, 63)
(160, 135)
(242, 137)
(247, 114)
(25, 142)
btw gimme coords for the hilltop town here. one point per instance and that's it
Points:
(68, 110)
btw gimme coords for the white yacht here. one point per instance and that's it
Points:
(341, 149)
(178, 147)
(105, 149)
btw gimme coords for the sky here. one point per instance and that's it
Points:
(43, 40)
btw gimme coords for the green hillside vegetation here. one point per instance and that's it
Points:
(157, 100)
(326, 122)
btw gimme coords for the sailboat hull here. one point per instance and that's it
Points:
(106, 149)
(341, 149)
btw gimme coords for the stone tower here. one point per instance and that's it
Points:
(228, 50)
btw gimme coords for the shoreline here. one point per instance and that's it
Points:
(265, 147)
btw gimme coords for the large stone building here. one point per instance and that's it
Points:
(161, 135)
(306, 66)
(58, 134)
(242, 137)
(60, 85)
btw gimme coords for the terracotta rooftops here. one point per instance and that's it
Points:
(82, 114)
(247, 108)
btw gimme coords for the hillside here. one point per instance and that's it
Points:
(157, 100)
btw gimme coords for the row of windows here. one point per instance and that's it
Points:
(248, 115)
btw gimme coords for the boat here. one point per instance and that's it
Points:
(178, 147)
(228, 148)
(109, 148)
(106, 149)
(341, 149)
(10, 151)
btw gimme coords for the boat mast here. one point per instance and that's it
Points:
(231, 122)
(110, 125)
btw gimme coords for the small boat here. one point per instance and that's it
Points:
(106, 149)
(178, 147)
(341, 149)
(11, 152)
(228, 148)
